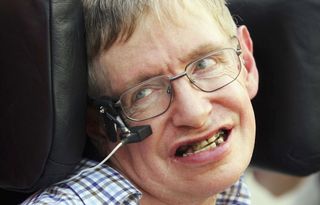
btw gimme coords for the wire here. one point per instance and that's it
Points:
(96, 166)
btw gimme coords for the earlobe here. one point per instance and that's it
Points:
(251, 71)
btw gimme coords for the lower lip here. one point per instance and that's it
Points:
(208, 156)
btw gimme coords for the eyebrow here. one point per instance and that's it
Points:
(136, 81)
(146, 76)
(199, 52)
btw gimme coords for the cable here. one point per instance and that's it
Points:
(96, 166)
(136, 134)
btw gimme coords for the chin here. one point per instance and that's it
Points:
(228, 174)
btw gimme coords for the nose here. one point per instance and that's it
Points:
(190, 107)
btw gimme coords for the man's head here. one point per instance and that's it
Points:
(134, 42)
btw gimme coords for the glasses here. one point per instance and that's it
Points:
(153, 97)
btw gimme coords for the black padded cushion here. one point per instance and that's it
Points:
(43, 91)
(286, 36)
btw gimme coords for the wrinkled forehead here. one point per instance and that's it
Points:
(165, 13)
(169, 11)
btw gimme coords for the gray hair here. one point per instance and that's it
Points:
(108, 21)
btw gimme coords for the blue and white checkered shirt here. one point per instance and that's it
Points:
(107, 186)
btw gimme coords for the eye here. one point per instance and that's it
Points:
(205, 66)
(205, 63)
(142, 93)
(208, 67)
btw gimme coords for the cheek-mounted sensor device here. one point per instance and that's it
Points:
(114, 124)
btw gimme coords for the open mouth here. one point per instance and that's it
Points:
(208, 144)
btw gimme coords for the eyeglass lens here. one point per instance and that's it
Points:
(153, 97)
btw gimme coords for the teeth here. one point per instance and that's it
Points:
(220, 140)
(204, 145)
(213, 145)
(217, 137)
(189, 151)
(211, 139)
(200, 145)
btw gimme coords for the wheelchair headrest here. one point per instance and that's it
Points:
(43, 91)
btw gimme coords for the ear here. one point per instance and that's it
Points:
(251, 71)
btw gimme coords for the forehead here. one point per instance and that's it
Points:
(160, 48)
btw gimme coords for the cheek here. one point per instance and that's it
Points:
(149, 149)
(134, 159)
(144, 161)
(150, 152)
(247, 127)
(236, 102)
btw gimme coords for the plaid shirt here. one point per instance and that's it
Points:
(107, 186)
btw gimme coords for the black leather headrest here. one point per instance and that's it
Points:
(286, 36)
(43, 91)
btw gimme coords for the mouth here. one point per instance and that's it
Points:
(208, 144)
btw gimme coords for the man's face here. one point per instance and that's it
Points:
(193, 116)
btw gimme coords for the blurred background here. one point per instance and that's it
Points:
(286, 39)
(273, 188)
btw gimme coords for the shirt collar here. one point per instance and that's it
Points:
(104, 184)
(108, 186)
(238, 194)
